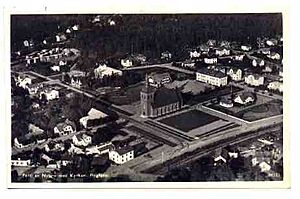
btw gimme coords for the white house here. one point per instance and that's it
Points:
(213, 77)
(127, 62)
(210, 60)
(92, 115)
(75, 27)
(64, 128)
(121, 155)
(226, 102)
(76, 81)
(244, 98)
(75, 150)
(222, 51)
(100, 149)
(235, 74)
(34, 88)
(55, 68)
(246, 47)
(264, 167)
(195, 54)
(21, 162)
(275, 56)
(258, 62)
(238, 57)
(188, 64)
(82, 140)
(159, 79)
(254, 80)
(104, 70)
(23, 81)
(271, 42)
(276, 85)
(50, 94)
(166, 55)
(22, 142)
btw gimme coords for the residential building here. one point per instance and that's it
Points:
(65, 128)
(271, 42)
(127, 62)
(226, 102)
(104, 70)
(20, 162)
(92, 115)
(210, 60)
(246, 47)
(244, 98)
(238, 57)
(275, 56)
(82, 140)
(34, 88)
(188, 64)
(159, 101)
(194, 54)
(100, 149)
(276, 86)
(76, 81)
(49, 94)
(254, 80)
(166, 55)
(258, 62)
(222, 52)
(23, 142)
(235, 74)
(159, 79)
(121, 155)
(213, 77)
(23, 81)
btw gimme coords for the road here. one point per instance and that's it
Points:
(166, 66)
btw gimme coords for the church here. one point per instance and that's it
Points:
(159, 101)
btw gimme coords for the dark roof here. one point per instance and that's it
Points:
(124, 150)
(213, 73)
(164, 96)
(25, 141)
(159, 76)
(245, 95)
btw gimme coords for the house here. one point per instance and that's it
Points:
(34, 88)
(65, 159)
(140, 58)
(21, 162)
(213, 77)
(159, 79)
(100, 149)
(210, 60)
(235, 74)
(211, 42)
(264, 167)
(127, 62)
(265, 51)
(204, 49)
(222, 51)
(275, 56)
(244, 98)
(238, 57)
(188, 64)
(41, 138)
(166, 55)
(49, 94)
(82, 140)
(254, 80)
(75, 150)
(23, 142)
(194, 54)
(75, 27)
(55, 68)
(159, 101)
(121, 155)
(92, 115)
(246, 47)
(23, 81)
(220, 156)
(53, 165)
(111, 22)
(226, 102)
(60, 37)
(54, 146)
(271, 42)
(104, 70)
(76, 81)
(276, 86)
(65, 128)
(258, 62)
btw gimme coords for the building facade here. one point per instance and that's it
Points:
(215, 78)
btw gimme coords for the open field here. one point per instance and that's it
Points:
(189, 120)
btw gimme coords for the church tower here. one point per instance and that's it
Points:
(147, 98)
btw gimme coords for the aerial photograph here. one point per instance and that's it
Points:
(104, 98)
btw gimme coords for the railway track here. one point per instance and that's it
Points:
(189, 157)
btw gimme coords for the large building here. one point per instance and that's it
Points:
(159, 101)
(213, 77)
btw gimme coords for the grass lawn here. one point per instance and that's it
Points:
(189, 120)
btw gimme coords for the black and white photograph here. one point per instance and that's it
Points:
(147, 97)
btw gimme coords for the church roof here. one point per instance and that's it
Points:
(164, 97)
